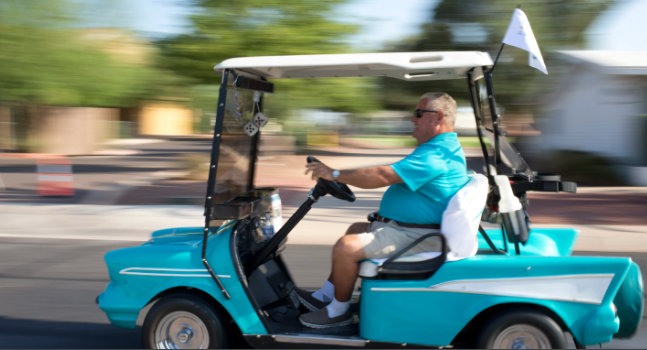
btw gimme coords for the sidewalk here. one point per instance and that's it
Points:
(323, 225)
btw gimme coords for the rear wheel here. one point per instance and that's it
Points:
(184, 322)
(522, 330)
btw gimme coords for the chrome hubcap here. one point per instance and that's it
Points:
(181, 330)
(185, 335)
(522, 336)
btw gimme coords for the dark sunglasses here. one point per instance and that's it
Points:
(418, 112)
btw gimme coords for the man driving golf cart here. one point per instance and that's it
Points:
(508, 287)
(420, 187)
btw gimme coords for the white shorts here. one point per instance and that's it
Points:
(382, 240)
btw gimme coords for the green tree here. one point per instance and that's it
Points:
(49, 56)
(225, 29)
(46, 61)
(468, 25)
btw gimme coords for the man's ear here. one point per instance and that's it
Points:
(441, 117)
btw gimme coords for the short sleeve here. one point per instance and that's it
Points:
(423, 165)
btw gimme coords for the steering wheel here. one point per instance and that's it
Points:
(335, 189)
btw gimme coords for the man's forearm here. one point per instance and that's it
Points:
(369, 178)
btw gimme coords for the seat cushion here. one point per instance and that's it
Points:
(368, 267)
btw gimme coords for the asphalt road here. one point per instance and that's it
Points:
(48, 287)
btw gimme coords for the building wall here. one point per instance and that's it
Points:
(165, 119)
(596, 113)
(71, 130)
(6, 137)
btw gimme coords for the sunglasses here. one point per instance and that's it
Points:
(418, 113)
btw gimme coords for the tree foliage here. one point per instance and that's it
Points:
(45, 60)
(468, 25)
(225, 29)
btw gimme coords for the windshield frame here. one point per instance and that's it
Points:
(241, 81)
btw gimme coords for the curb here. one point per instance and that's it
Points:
(115, 152)
(107, 152)
(31, 155)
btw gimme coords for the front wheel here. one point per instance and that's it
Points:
(184, 322)
(522, 330)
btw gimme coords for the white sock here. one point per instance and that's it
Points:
(336, 307)
(326, 293)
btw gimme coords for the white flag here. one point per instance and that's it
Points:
(520, 35)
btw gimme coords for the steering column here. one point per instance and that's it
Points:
(323, 187)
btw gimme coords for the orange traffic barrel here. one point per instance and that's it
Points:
(55, 177)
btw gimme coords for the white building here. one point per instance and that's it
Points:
(600, 106)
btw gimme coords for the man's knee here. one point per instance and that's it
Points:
(348, 247)
(358, 227)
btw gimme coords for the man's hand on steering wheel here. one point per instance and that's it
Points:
(325, 181)
(319, 170)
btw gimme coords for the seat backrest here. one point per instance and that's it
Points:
(462, 217)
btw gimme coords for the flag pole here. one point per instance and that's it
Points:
(499, 54)
(497, 58)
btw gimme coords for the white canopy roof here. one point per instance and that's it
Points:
(414, 66)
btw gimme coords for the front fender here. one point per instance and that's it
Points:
(141, 273)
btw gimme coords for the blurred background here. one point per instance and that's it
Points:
(97, 77)
(107, 109)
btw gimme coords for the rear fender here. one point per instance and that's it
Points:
(579, 290)
(542, 241)
(626, 290)
(629, 302)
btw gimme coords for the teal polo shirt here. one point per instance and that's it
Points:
(432, 174)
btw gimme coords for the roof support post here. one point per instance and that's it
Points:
(476, 106)
(211, 183)
(496, 121)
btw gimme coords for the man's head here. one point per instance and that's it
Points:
(437, 111)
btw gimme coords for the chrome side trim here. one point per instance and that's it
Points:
(129, 271)
(374, 289)
(599, 275)
(585, 288)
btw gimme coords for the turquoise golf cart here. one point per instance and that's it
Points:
(225, 283)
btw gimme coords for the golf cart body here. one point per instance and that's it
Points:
(406, 301)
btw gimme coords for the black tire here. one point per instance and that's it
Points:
(548, 332)
(213, 321)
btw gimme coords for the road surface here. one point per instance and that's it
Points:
(48, 287)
